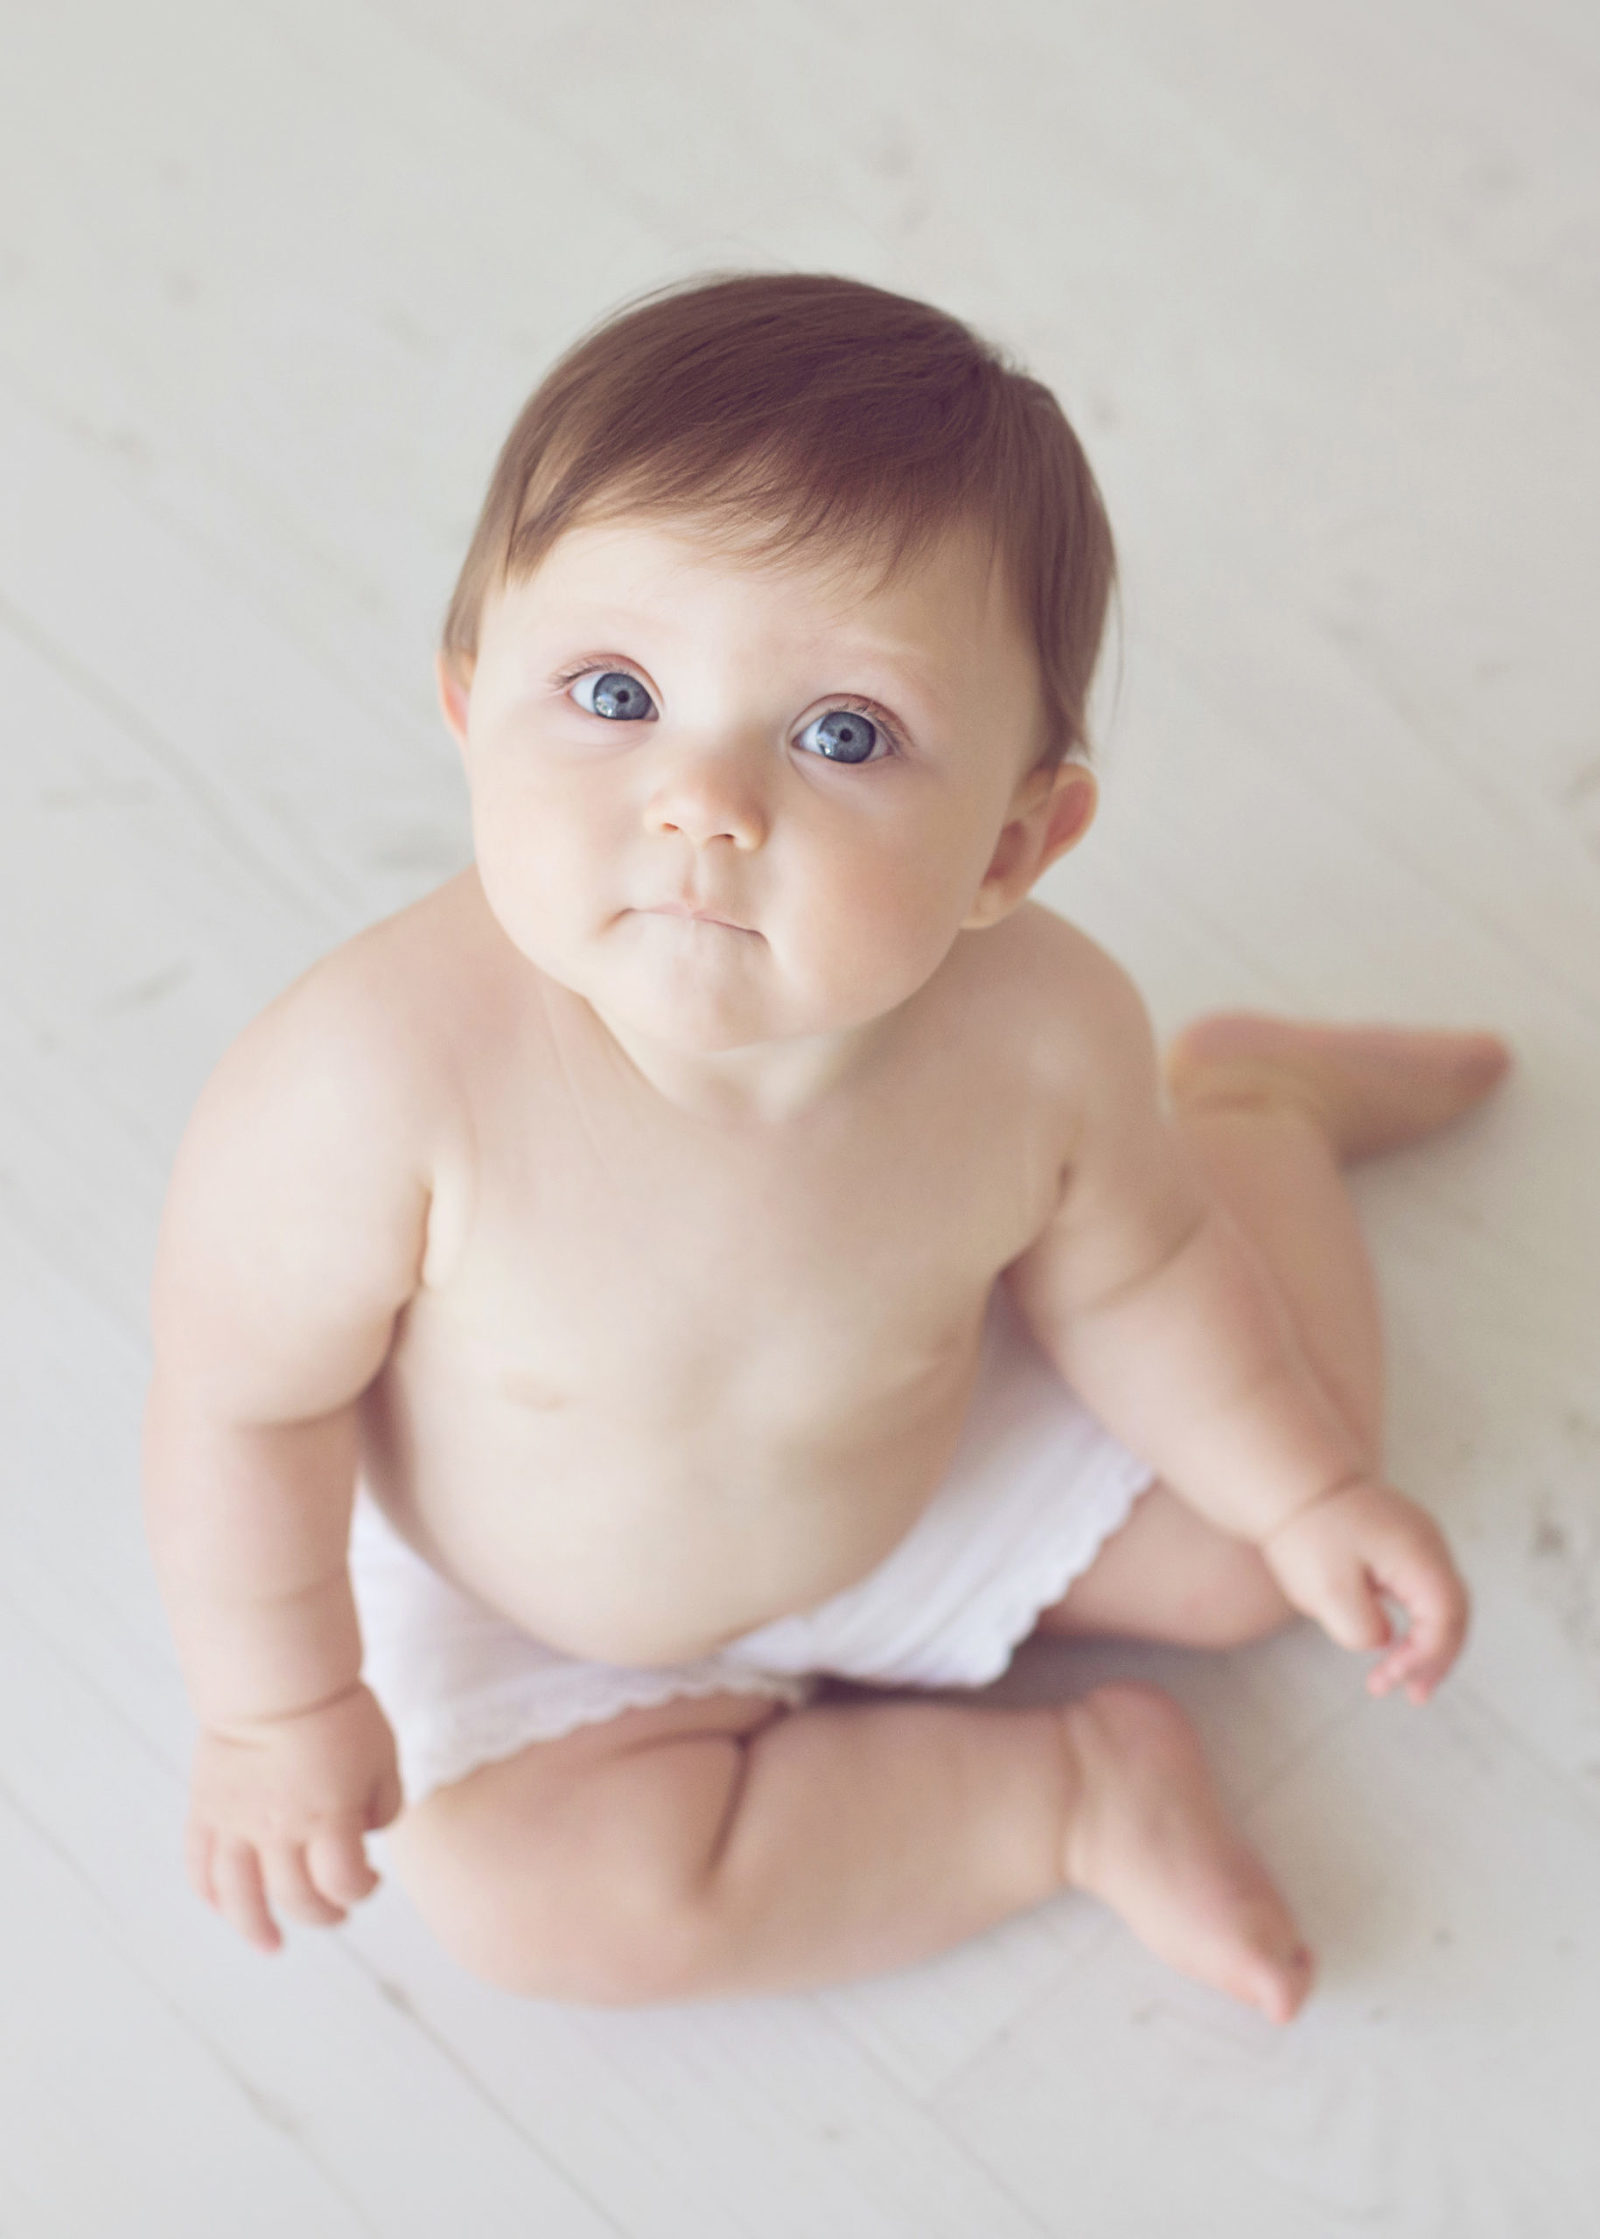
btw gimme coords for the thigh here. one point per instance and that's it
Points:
(1168, 1575)
(568, 1869)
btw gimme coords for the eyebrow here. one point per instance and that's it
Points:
(598, 621)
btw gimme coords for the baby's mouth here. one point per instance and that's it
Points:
(694, 911)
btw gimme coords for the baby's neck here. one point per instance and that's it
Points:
(764, 1083)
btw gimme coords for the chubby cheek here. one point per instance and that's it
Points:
(535, 872)
(875, 930)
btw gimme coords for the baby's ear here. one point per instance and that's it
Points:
(453, 674)
(1052, 810)
(1069, 810)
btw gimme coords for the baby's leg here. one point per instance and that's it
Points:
(720, 1845)
(1272, 1110)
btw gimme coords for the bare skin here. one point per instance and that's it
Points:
(756, 1801)
(534, 1200)
(1273, 1108)
(1368, 1088)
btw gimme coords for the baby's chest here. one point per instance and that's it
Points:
(675, 1288)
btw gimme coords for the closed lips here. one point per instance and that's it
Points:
(703, 917)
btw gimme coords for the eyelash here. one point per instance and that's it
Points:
(847, 700)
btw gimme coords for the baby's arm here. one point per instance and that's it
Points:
(1160, 1313)
(292, 1236)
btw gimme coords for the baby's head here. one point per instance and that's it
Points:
(770, 655)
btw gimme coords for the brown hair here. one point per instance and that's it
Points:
(797, 408)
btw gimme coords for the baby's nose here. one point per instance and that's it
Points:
(710, 793)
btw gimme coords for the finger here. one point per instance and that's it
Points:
(1403, 1670)
(1451, 1631)
(1435, 1602)
(1425, 1656)
(290, 1888)
(338, 1865)
(1426, 1664)
(1399, 1665)
(1352, 1614)
(236, 1877)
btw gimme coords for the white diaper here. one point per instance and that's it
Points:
(1035, 1489)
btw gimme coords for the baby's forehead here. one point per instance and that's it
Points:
(926, 601)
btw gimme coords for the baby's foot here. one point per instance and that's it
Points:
(1148, 1834)
(1371, 1088)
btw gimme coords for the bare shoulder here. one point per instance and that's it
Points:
(368, 1032)
(303, 1197)
(1064, 999)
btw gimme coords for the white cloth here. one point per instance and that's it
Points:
(1035, 1488)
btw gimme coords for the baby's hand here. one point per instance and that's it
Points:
(1339, 1561)
(278, 1808)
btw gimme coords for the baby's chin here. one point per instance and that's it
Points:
(706, 991)
(715, 1014)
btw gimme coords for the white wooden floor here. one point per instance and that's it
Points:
(1322, 287)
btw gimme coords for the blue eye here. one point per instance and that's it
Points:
(615, 694)
(842, 735)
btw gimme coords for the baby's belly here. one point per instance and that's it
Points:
(640, 1543)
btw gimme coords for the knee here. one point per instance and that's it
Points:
(1240, 1601)
(605, 1961)
(1170, 1576)
(522, 1926)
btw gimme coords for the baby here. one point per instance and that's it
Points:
(729, 1241)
